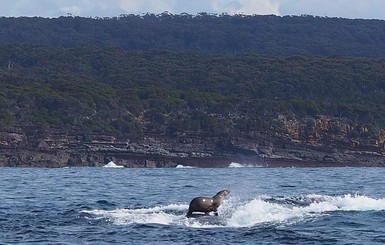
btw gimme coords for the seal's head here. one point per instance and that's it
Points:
(223, 193)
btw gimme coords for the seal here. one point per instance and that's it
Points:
(207, 204)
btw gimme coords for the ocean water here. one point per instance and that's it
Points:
(148, 206)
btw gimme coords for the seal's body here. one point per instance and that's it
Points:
(207, 204)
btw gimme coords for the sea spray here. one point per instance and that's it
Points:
(243, 165)
(237, 213)
(155, 215)
(182, 166)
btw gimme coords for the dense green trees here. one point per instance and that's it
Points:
(273, 35)
(206, 75)
(170, 93)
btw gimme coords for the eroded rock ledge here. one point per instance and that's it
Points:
(307, 143)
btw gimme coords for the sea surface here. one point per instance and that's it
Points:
(148, 206)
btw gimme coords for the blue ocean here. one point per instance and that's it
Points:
(148, 206)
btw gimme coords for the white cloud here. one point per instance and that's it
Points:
(144, 6)
(225, 6)
(193, 7)
(89, 7)
(73, 10)
(25, 7)
(131, 6)
(334, 8)
(261, 7)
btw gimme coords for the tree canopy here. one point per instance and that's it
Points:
(205, 33)
(136, 92)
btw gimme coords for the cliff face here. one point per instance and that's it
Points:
(332, 132)
(332, 140)
(320, 141)
(32, 147)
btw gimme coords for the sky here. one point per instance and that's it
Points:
(364, 9)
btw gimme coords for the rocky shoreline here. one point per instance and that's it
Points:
(63, 158)
(33, 148)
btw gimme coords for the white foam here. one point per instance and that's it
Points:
(111, 164)
(157, 215)
(259, 211)
(182, 166)
(241, 165)
(236, 213)
(350, 203)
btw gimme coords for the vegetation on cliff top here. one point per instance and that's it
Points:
(205, 75)
(132, 93)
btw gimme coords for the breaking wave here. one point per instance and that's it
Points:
(241, 165)
(182, 166)
(237, 213)
(111, 164)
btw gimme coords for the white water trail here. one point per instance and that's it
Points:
(157, 215)
(259, 211)
(234, 213)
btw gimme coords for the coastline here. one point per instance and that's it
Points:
(55, 149)
(81, 158)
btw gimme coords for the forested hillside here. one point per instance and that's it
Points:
(274, 35)
(131, 92)
(181, 85)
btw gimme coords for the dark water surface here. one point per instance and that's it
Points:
(148, 206)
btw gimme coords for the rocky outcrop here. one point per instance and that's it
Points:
(320, 141)
(32, 147)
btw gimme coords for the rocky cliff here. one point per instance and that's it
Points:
(320, 141)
